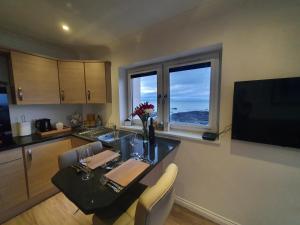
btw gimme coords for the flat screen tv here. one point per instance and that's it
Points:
(267, 111)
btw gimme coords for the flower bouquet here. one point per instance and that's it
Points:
(144, 111)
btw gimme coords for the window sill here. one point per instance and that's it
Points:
(185, 135)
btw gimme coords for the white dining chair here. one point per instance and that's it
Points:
(70, 157)
(152, 207)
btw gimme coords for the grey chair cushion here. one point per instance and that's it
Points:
(70, 157)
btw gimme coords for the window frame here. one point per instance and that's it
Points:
(214, 59)
(163, 90)
(139, 70)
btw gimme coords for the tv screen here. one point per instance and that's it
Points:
(267, 111)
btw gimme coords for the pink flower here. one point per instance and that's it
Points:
(143, 111)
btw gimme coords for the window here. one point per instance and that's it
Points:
(185, 94)
(143, 87)
(189, 94)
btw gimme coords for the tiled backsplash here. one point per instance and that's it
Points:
(57, 113)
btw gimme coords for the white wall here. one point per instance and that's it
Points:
(251, 184)
(28, 44)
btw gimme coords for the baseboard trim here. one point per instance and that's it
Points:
(204, 212)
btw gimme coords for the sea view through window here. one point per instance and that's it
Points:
(189, 94)
(184, 92)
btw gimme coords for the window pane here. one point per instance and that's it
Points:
(144, 89)
(189, 94)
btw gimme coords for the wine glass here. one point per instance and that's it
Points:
(89, 154)
(133, 142)
(85, 156)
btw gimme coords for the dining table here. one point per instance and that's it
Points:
(94, 195)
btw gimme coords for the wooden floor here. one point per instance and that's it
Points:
(59, 210)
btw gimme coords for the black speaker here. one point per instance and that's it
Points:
(209, 136)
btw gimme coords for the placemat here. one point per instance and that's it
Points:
(127, 172)
(102, 158)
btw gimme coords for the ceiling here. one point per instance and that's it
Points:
(92, 22)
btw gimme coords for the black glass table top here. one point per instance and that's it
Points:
(91, 195)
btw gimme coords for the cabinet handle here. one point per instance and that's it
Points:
(20, 94)
(29, 154)
(62, 95)
(89, 94)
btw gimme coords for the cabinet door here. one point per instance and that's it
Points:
(42, 164)
(76, 142)
(12, 175)
(108, 82)
(35, 79)
(72, 82)
(95, 82)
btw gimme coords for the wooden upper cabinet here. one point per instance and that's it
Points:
(39, 80)
(108, 82)
(35, 79)
(95, 82)
(72, 82)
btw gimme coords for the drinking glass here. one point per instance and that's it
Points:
(85, 156)
(89, 154)
(133, 142)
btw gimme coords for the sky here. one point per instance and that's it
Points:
(189, 85)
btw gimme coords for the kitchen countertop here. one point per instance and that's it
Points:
(35, 138)
(32, 139)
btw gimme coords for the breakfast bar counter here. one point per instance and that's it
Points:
(92, 195)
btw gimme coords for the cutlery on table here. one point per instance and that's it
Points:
(116, 187)
(80, 168)
(119, 187)
(76, 169)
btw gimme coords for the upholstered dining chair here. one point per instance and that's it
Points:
(70, 157)
(152, 207)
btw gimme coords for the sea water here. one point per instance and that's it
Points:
(183, 105)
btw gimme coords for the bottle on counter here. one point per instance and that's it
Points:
(151, 132)
(98, 121)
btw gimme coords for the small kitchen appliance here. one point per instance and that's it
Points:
(43, 125)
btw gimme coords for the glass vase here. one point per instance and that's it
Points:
(145, 132)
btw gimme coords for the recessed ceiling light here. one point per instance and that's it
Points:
(65, 27)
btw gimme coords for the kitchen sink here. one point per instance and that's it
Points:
(113, 136)
(102, 134)
(92, 134)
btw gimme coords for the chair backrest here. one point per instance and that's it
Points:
(156, 202)
(70, 157)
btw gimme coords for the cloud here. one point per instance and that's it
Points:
(184, 85)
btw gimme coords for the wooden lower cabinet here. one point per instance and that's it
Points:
(12, 179)
(41, 164)
(76, 142)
